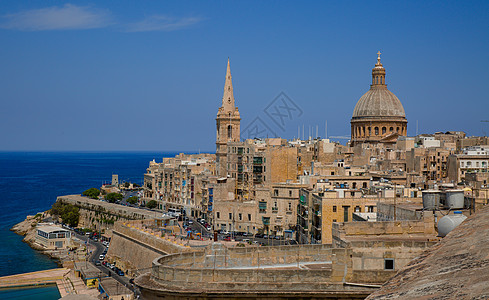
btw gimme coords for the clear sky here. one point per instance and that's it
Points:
(149, 75)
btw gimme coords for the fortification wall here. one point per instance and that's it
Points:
(259, 268)
(134, 249)
(100, 215)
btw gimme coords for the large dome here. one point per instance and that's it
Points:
(378, 102)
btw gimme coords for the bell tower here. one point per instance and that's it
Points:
(228, 124)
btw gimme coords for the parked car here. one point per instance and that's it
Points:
(209, 228)
(101, 257)
(228, 238)
(97, 263)
(119, 272)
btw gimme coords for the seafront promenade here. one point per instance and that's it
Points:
(64, 278)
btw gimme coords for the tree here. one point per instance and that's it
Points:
(132, 200)
(126, 184)
(151, 204)
(113, 197)
(70, 214)
(92, 193)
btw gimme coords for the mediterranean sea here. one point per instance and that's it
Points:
(31, 181)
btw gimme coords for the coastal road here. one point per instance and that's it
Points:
(94, 257)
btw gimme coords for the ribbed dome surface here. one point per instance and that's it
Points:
(378, 102)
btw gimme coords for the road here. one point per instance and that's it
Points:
(94, 257)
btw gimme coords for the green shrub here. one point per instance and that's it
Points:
(113, 197)
(151, 204)
(92, 193)
(133, 200)
(70, 214)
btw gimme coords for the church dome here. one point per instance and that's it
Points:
(378, 101)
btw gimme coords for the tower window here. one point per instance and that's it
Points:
(384, 130)
(376, 130)
(397, 129)
(391, 129)
(370, 131)
(230, 131)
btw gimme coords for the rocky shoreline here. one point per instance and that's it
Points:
(27, 229)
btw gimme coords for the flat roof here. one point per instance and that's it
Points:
(113, 287)
(51, 228)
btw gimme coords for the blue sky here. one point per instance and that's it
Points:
(149, 75)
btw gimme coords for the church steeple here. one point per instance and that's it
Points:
(228, 97)
(378, 74)
(228, 124)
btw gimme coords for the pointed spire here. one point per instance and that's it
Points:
(228, 97)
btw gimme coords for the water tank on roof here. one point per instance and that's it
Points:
(449, 222)
(455, 199)
(431, 199)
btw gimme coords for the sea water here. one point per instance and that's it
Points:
(31, 181)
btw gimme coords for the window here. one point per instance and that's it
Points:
(230, 216)
(218, 214)
(334, 220)
(240, 216)
(249, 217)
(364, 185)
(376, 130)
(384, 130)
(275, 192)
(290, 206)
(345, 213)
(358, 209)
(290, 193)
(391, 129)
(388, 264)
(334, 208)
(230, 131)
(370, 131)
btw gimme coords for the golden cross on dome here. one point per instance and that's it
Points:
(378, 58)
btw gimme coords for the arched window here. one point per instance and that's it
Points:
(397, 129)
(376, 129)
(384, 130)
(391, 129)
(230, 131)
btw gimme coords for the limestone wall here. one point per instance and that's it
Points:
(134, 249)
(218, 267)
